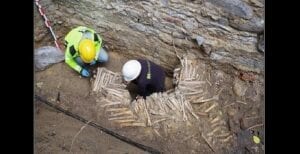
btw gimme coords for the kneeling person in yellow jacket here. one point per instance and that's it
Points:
(83, 48)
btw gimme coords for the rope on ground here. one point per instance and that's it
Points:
(107, 131)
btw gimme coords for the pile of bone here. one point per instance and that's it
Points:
(156, 109)
(152, 112)
(214, 128)
(161, 107)
(115, 97)
(105, 78)
(192, 80)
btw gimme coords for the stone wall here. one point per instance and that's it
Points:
(226, 32)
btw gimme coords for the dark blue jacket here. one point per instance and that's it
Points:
(156, 82)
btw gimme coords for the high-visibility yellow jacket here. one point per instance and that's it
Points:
(72, 42)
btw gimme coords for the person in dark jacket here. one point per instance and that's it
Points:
(148, 76)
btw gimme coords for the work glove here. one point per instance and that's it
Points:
(84, 72)
(93, 62)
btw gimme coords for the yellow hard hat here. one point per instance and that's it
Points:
(87, 50)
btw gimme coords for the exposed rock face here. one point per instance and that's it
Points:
(152, 28)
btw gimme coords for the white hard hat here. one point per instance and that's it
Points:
(131, 70)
